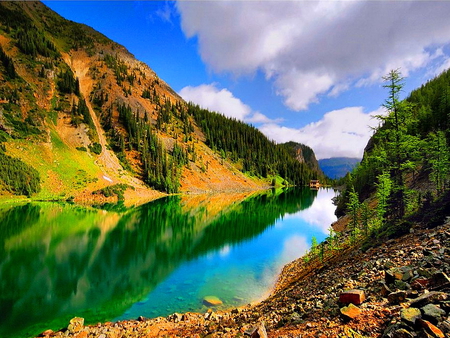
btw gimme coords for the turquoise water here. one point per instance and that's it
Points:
(59, 261)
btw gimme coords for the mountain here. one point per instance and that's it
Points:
(82, 119)
(337, 167)
(304, 154)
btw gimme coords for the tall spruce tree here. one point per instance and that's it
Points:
(398, 145)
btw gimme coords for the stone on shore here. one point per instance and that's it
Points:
(258, 332)
(397, 297)
(355, 297)
(440, 279)
(351, 311)
(430, 328)
(75, 325)
(432, 313)
(212, 301)
(428, 298)
(410, 315)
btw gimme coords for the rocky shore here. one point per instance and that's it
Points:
(399, 289)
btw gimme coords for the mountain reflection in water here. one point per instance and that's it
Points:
(59, 261)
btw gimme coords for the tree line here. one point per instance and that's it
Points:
(411, 143)
(16, 176)
(246, 145)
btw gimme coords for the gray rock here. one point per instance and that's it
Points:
(432, 313)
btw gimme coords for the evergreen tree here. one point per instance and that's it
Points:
(395, 141)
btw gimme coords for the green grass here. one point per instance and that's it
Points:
(63, 170)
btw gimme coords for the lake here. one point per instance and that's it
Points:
(59, 260)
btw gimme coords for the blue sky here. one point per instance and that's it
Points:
(307, 71)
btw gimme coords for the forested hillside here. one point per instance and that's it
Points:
(406, 165)
(252, 151)
(79, 113)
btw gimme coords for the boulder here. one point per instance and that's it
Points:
(352, 297)
(404, 273)
(212, 301)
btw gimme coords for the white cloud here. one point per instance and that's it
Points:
(312, 48)
(218, 100)
(344, 132)
(165, 14)
(293, 247)
(321, 213)
(223, 101)
(257, 117)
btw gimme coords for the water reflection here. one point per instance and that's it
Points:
(59, 261)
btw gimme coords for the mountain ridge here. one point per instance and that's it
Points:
(338, 167)
(86, 114)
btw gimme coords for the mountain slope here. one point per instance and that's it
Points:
(83, 112)
(304, 154)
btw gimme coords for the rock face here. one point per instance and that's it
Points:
(212, 301)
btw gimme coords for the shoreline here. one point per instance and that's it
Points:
(304, 301)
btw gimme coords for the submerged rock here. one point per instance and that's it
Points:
(212, 301)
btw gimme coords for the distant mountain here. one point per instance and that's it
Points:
(338, 167)
(79, 114)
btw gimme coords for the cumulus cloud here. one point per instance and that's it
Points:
(314, 48)
(223, 101)
(344, 132)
